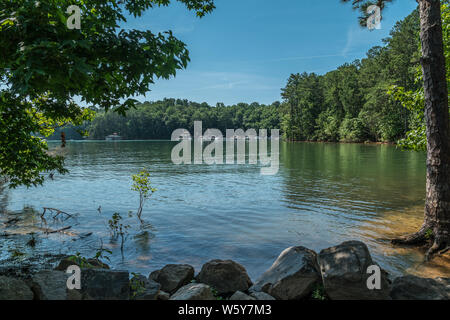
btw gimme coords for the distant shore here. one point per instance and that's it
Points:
(282, 140)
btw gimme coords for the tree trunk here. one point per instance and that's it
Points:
(437, 206)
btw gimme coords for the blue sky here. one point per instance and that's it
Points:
(246, 49)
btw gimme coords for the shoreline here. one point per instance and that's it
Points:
(281, 140)
(343, 272)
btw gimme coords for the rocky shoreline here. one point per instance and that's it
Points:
(342, 272)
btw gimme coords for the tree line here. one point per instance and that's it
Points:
(157, 120)
(354, 103)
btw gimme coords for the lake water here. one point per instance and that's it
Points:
(323, 194)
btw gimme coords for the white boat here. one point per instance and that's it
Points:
(113, 137)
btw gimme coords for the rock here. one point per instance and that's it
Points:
(150, 289)
(14, 289)
(415, 288)
(173, 276)
(194, 291)
(139, 278)
(225, 276)
(444, 281)
(50, 285)
(143, 288)
(66, 262)
(101, 284)
(344, 273)
(148, 294)
(74, 295)
(163, 296)
(239, 295)
(153, 285)
(154, 275)
(262, 296)
(292, 276)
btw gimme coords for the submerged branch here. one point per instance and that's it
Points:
(58, 212)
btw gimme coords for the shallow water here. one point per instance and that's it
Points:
(323, 194)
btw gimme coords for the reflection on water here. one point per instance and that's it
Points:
(323, 194)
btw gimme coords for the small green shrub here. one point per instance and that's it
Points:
(137, 286)
(216, 294)
(83, 262)
(319, 293)
(141, 184)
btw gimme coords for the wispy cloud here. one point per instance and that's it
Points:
(313, 57)
(343, 53)
(350, 41)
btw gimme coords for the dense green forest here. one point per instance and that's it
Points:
(353, 103)
(157, 120)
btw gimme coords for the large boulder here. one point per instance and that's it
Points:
(345, 269)
(415, 288)
(173, 276)
(101, 284)
(50, 285)
(14, 289)
(154, 275)
(194, 291)
(225, 276)
(292, 276)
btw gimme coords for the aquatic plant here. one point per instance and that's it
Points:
(141, 184)
(118, 229)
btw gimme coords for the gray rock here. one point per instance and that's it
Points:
(239, 295)
(101, 284)
(153, 285)
(154, 275)
(140, 278)
(292, 276)
(163, 296)
(147, 289)
(415, 288)
(151, 291)
(50, 285)
(225, 276)
(74, 295)
(194, 291)
(173, 276)
(148, 294)
(444, 281)
(14, 289)
(344, 273)
(262, 296)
